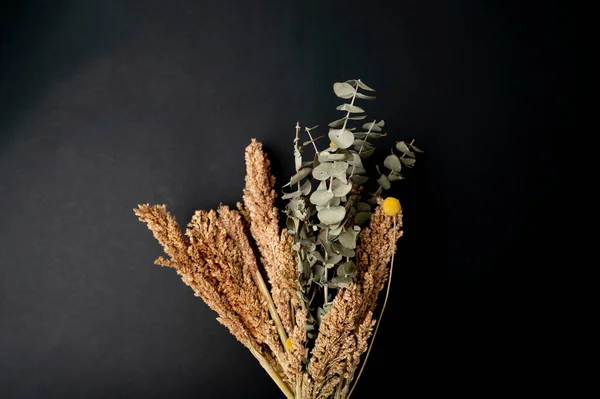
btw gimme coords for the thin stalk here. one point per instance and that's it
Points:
(273, 374)
(262, 287)
(387, 294)
(361, 147)
(311, 139)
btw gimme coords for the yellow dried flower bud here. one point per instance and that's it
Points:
(288, 344)
(391, 206)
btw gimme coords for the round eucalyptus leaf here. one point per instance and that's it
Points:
(340, 282)
(348, 239)
(346, 269)
(343, 250)
(333, 260)
(384, 182)
(365, 97)
(353, 109)
(363, 207)
(408, 162)
(340, 188)
(302, 173)
(321, 197)
(415, 148)
(306, 187)
(392, 162)
(395, 176)
(402, 147)
(371, 127)
(338, 122)
(363, 86)
(322, 172)
(343, 90)
(292, 195)
(362, 217)
(359, 180)
(341, 138)
(332, 215)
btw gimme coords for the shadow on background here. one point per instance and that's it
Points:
(42, 42)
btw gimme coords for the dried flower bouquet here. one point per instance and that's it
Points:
(311, 319)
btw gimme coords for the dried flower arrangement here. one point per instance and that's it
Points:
(310, 324)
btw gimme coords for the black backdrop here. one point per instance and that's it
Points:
(106, 104)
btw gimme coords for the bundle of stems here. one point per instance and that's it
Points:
(258, 276)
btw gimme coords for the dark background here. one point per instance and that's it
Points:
(106, 104)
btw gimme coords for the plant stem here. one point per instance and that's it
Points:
(351, 103)
(361, 147)
(262, 287)
(272, 373)
(311, 139)
(325, 287)
(387, 294)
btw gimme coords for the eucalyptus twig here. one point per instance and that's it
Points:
(362, 146)
(307, 129)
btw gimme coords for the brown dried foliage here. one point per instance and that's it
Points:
(216, 258)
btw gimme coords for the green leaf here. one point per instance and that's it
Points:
(322, 172)
(333, 260)
(362, 143)
(339, 248)
(337, 123)
(362, 135)
(367, 153)
(381, 123)
(318, 272)
(335, 231)
(339, 170)
(392, 162)
(340, 282)
(343, 90)
(384, 182)
(353, 109)
(359, 180)
(328, 157)
(365, 97)
(354, 160)
(341, 138)
(357, 117)
(292, 195)
(340, 188)
(346, 269)
(394, 176)
(321, 197)
(363, 86)
(332, 215)
(359, 170)
(372, 127)
(402, 147)
(408, 162)
(302, 173)
(306, 187)
(348, 239)
(362, 217)
(363, 207)
(292, 224)
(310, 142)
(415, 149)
